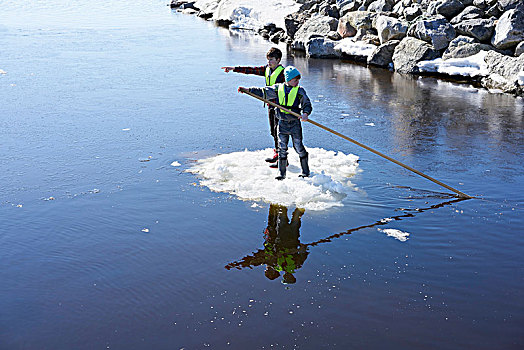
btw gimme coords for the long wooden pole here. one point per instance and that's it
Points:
(460, 194)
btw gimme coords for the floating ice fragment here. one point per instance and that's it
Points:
(2, 71)
(145, 159)
(370, 124)
(397, 234)
(146, 230)
(126, 129)
(175, 163)
(246, 175)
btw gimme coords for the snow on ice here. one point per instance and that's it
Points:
(246, 175)
(246, 14)
(397, 234)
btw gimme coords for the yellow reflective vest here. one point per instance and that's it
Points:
(271, 78)
(290, 100)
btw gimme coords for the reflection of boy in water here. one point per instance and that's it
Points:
(282, 248)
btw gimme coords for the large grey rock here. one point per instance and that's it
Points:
(464, 49)
(383, 55)
(437, 31)
(293, 21)
(360, 19)
(389, 28)
(504, 72)
(315, 26)
(446, 8)
(480, 29)
(509, 31)
(381, 6)
(409, 52)
(470, 12)
(412, 12)
(345, 29)
(322, 48)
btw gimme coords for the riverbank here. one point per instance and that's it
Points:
(476, 41)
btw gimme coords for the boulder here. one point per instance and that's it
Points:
(389, 28)
(345, 29)
(383, 55)
(293, 21)
(322, 48)
(315, 26)
(504, 73)
(360, 19)
(470, 12)
(381, 6)
(463, 46)
(409, 52)
(480, 29)
(509, 31)
(412, 12)
(446, 8)
(435, 30)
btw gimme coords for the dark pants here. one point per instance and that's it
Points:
(286, 129)
(273, 125)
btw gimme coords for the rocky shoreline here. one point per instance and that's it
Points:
(479, 41)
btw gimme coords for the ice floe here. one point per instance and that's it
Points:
(246, 175)
(397, 234)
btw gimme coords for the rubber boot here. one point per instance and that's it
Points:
(273, 159)
(282, 164)
(305, 166)
(275, 165)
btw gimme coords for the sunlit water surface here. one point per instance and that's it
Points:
(104, 244)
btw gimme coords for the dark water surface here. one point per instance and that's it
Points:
(99, 98)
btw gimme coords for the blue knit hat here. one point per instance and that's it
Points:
(291, 72)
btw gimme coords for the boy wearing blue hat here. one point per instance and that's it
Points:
(293, 97)
(274, 73)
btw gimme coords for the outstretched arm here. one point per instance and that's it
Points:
(246, 70)
(268, 92)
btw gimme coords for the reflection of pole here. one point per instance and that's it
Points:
(251, 260)
(382, 222)
(462, 195)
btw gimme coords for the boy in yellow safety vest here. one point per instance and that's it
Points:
(293, 97)
(274, 73)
